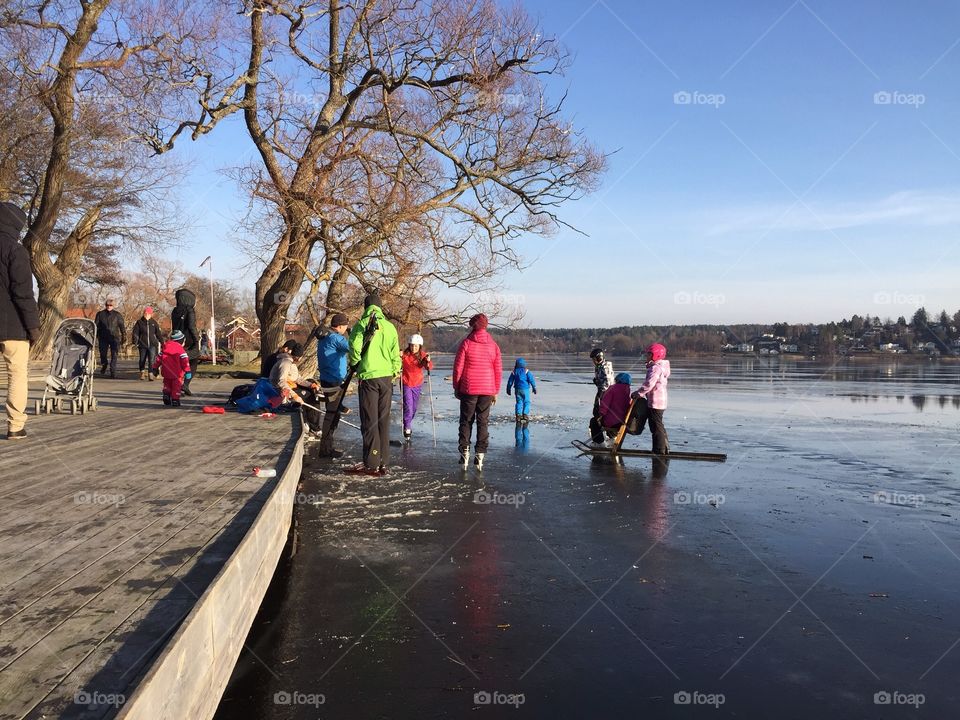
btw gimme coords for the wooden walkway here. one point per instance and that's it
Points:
(113, 524)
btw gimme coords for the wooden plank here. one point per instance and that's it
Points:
(89, 595)
(628, 452)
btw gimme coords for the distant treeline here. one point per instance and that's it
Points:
(823, 339)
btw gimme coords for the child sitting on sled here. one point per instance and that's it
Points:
(615, 403)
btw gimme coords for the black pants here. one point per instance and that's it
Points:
(596, 427)
(147, 356)
(310, 416)
(475, 407)
(193, 369)
(114, 347)
(375, 395)
(333, 395)
(646, 414)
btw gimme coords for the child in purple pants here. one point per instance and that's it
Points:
(414, 360)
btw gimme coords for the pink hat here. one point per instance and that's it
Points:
(657, 351)
(147, 309)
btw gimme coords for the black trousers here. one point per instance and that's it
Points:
(114, 347)
(648, 415)
(310, 416)
(475, 407)
(333, 394)
(147, 356)
(596, 427)
(375, 395)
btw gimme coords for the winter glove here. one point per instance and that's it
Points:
(534, 391)
(34, 335)
(508, 392)
(188, 376)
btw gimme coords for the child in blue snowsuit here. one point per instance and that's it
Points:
(523, 382)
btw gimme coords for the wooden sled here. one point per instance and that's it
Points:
(618, 450)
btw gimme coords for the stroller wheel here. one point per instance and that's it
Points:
(73, 407)
(37, 408)
(93, 404)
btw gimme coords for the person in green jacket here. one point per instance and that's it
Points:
(377, 367)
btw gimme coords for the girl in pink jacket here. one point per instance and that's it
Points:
(651, 398)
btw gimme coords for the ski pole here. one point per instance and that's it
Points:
(324, 412)
(433, 415)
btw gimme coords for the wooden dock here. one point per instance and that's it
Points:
(137, 546)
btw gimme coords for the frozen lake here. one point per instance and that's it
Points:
(818, 569)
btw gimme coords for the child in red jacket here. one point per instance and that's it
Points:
(413, 361)
(174, 364)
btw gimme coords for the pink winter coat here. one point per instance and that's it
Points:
(654, 387)
(614, 405)
(478, 368)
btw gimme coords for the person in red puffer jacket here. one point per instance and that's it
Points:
(174, 364)
(477, 374)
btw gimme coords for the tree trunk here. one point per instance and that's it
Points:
(336, 293)
(54, 299)
(55, 280)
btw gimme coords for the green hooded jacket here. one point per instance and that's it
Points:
(382, 358)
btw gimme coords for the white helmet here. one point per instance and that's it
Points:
(416, 340)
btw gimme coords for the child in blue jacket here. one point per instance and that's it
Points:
(523, 382)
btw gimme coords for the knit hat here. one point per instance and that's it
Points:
(148, 309)
(416, 340)
(479, 322)
(372, 299)
(177, 335)
(658, 351)
(338, 320)
(294, 348)
(622, 378)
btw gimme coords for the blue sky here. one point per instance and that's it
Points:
(774, 160)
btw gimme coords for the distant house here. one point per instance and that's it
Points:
(790, 348)
(241, 337)
(295, 331)
(890, 347)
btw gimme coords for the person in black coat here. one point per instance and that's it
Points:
(19, 316)
(147, 338)
(184, 319)
(111, 332)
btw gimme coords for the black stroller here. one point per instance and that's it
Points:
(71, 369)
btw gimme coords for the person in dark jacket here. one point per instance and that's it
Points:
(147, 338)
(111, 332)
(477, 375)
(332, 351)
(267, 363)
(19, 316)
(184, 319)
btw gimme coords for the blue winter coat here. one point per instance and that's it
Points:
(521, 378)
(332, 349)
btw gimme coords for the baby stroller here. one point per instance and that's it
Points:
(71, 369)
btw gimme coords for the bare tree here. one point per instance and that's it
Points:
(407, 142)
(82, 73)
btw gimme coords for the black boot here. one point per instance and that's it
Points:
(166, 398)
